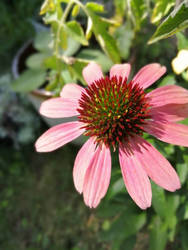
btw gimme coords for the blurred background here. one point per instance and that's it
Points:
(39, 206)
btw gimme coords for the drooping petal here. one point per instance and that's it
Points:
(58, 136)
(168, 132)
(71, 91)
(170, 94)
(82, 162)
(155, 165)
(149, 74)
(120, 70)
(97, 177)
(135, 177)
(59, 108)
(170, 112)
(92, 72)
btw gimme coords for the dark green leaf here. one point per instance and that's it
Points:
(182, 169)
(127, 224)
(159, 201)
(127, 244)
(173, 202)
(184, 238)
(29, 80)
(75, 30)
(175, 22)
(158, 235)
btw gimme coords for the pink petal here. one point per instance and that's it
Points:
(120, 70)
(58, 136)
(155, 165)
(170, 112)
(71, 91)
(97, 177)
(168, 132)
(135, 177)
(171, 94)
(59, 107)
(92, 72)
(82, 161)
(149, 74)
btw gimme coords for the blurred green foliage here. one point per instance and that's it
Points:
(39, 207)
(16, 26)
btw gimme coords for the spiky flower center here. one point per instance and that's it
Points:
(113, 110)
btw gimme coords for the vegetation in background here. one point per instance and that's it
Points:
(39, 207)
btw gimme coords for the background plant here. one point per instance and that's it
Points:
(79, 31)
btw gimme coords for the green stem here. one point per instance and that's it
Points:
(61, 23)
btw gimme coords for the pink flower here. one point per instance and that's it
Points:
(114, 114)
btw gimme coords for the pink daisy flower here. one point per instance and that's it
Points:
(114, 113)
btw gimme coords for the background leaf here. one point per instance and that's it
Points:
(96, 7)
(158, 234)
(97, 56)
(161, 9)
(29, 80)
(176, 21)
(106, 41)
(75, 30)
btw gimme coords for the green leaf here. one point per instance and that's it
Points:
(182, 164)
(129, 243)
(63, 38)
(182, 169)
(159, 201)
(96, 7)
(31, 79)
(158, 234)
(77, 68)
(48, 5)
(75, 30)
(42, 41)
(120, 7)
(168, 80)
(72, 47)
(184, 238)
(127, 223)
(138, 12)
(161, 9)
(117, 187)
(51, 17)
(182, 41)
(106, 41)
(75, 10)
(175, 22)
(36, 61)
(173, 202)
(124, 36)
(97, 56)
